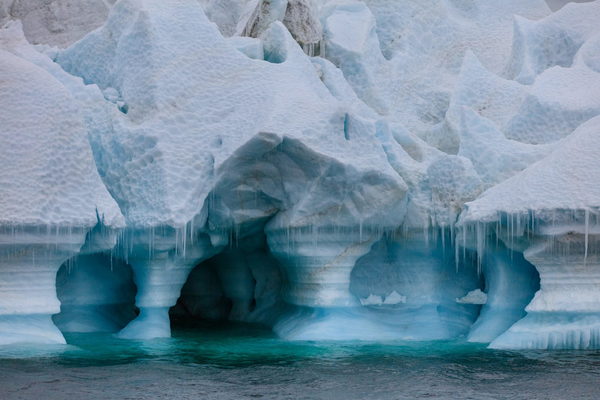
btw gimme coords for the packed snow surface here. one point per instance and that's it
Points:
(334, 169)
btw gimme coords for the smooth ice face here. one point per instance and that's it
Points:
(31, 257)
(160, 270)
(151, 323)
(318, 263)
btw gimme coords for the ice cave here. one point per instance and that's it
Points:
(369, 170)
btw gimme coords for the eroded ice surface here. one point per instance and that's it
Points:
(333, 169)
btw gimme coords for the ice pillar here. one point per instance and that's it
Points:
(318, 263)
(161, 263)
(565, 312)
(511, 282)
(29, 261)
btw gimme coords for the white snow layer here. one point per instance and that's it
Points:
(305, 161)
(473, 297)
(49, 175)
(564, 180)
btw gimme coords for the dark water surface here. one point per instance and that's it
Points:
(248, 363)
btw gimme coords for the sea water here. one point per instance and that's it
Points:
(242, 362)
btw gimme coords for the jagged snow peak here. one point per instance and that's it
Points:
(335, 169)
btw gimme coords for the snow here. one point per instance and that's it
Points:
(552, 41)
(564, 180)
(372, 300)
(44, 143)
(473, 297)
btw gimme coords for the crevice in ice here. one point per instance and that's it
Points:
(346, 126)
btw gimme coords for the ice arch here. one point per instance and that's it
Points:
(242, 283)
(410, 283)
(277, 204)
(96, 294)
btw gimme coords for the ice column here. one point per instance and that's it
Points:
(161, 263)
(318, 262)
(565, 312)
(510, 283)
(29, 261)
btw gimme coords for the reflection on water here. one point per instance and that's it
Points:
(245, 362)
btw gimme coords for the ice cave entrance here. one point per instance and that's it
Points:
(242, 283)
(97, 294)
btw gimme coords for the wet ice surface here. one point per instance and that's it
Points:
(225, 363)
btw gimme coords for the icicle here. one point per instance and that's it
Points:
(360, 230)
(464, 242)
(184, 238)
(587, 231)
(443, 233)
(192, 230)
(456, 255)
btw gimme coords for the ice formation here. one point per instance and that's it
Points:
(333, 169)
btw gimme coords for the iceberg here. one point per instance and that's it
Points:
(331, 169)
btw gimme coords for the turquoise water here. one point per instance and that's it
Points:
(238, 362)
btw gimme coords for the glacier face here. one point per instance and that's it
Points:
(333, 169)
